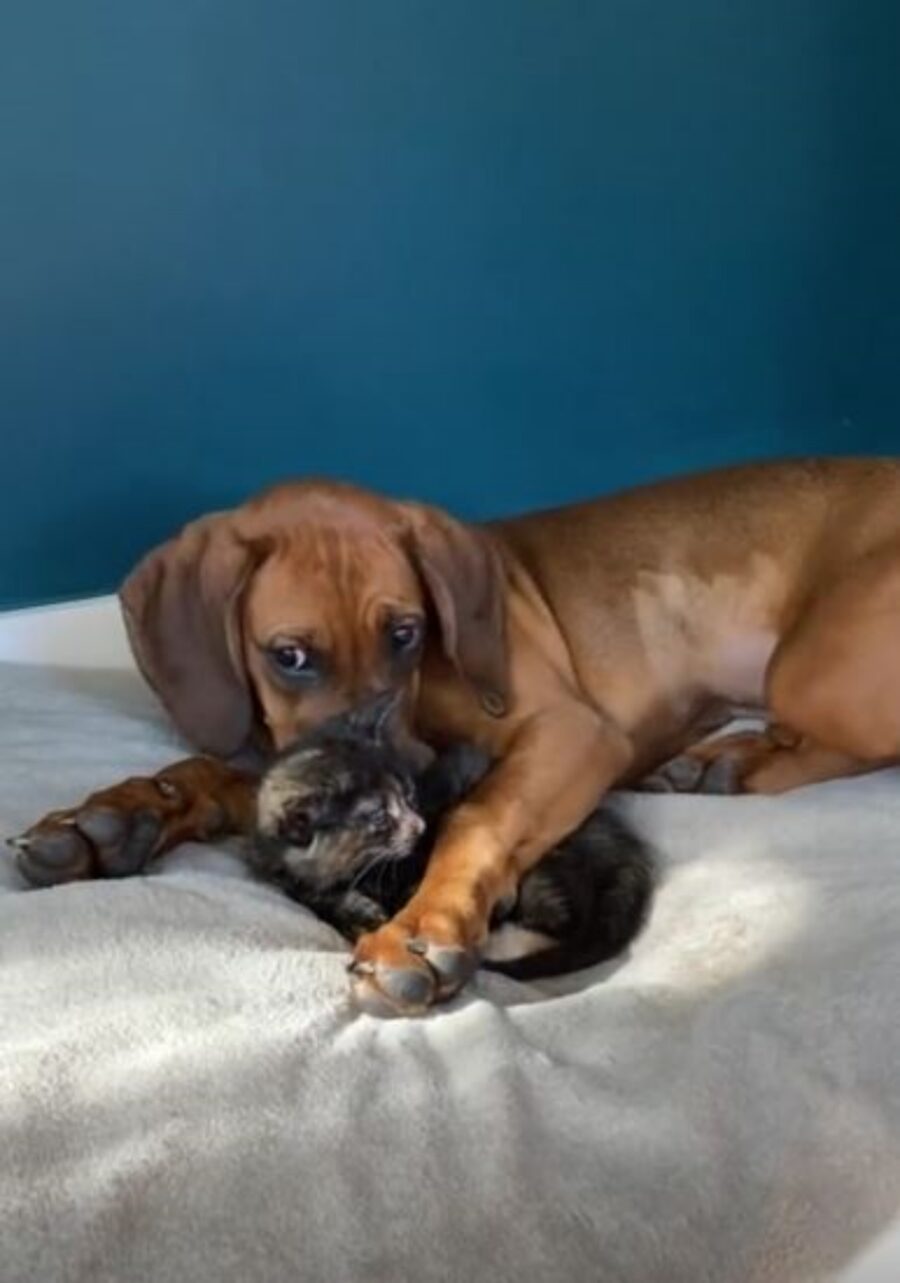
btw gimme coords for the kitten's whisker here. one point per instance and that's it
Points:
(367, 868)
(384, 873)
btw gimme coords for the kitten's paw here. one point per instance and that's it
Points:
(406, 967)
(356, 914)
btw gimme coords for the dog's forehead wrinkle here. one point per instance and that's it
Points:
(327, 585)
(334, 546)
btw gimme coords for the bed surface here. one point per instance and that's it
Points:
(185, 1093)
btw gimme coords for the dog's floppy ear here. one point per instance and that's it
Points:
(180, 605)
(463, 574)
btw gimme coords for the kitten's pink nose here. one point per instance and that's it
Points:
(412, 826)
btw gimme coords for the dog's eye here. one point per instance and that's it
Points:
(404, 635)
(292, 660)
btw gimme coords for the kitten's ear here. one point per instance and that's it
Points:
(374, 717)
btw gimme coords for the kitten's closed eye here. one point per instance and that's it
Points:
(368, 816)
(387, 813)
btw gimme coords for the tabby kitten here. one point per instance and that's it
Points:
(345, 825)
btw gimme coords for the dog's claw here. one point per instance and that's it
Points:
(417, 946)
(357, 968)
(18, 843)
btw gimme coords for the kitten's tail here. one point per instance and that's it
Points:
(613, 891)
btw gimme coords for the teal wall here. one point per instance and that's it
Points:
(495, 253)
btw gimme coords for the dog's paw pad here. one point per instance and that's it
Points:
(452, 965)
(57, 853)
(392, 991)
(123, 841)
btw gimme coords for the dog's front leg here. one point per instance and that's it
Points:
(118, 831)
(552, 776)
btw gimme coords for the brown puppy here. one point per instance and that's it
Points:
(581, 647)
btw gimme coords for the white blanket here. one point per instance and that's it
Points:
(187, 1097)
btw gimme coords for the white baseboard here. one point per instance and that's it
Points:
(79, 634)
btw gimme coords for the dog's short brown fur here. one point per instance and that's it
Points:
(581, 647)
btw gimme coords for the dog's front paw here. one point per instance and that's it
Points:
(411, 963)
(116, 832)
(98, 839)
